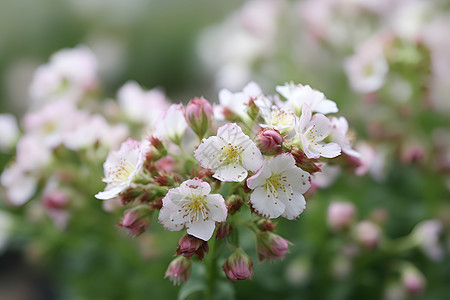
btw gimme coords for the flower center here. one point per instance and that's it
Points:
(196, 208)
(282, 117)
(231, 154)
(122, 171)
(275, 184)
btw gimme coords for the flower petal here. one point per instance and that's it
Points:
(252, 158)
(281, 162)
(231, 172)
(294, 206)
(208, 153)
(319, 128)
(201, 229)
(195, 185)
(265, 204)
(326, 106)
(259, 178)
(329, 150)
(298, 179)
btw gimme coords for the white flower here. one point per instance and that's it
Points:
(237, 103)
(427, 234)
(192, 206)
(20, 185)
(298, 95)
(339, 134)
(172, 124)
(278, 187)
(312, 130)
(10, 131)
(281, 119)
(230, 154)
(120, 168)
(139, 105)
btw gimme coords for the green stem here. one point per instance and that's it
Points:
(211, 268)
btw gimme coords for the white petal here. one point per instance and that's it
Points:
(265, 205)
(294, 206)
(208, 153)
(166, 219)
(298, 179)
(110, 193)
(281, 162)
(259, 178)
(201, 229)
(195, 185)
(329, 150)
(231, 172)
(319, 128)
(304, 119)
(252, 158)
(326, 106)
(252, 89)
(217, 208)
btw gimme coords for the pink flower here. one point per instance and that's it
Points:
(340, 215)
(179, 270)
(238, 266)
(271, 246)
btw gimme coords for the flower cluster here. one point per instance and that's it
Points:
(199, 166)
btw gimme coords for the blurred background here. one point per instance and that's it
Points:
(385, 63)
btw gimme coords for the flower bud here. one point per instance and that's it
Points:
(198, 115)
(189, 245)
(234, 203)
(135, 222)
(340, 215)
(269, 141)
(413, 281)
(238, 266)
(266, 225)
(306, 164)
(223, 230)
(368, 234)
(55, 200)
(179, 270)
(271, 246)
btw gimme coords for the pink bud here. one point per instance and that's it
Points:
(189, 245)
(223, 230)
(55, 200)
(413, 281)
(271, 246)
(238, 266)
(368, 234)
(340, 215)
(269, 141)
(179, 270)
(134, 222)
(198, 115)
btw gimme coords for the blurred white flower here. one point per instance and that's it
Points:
(339, 134)
(172, 124)
(10, 131)
(20, 185)
(427, 234)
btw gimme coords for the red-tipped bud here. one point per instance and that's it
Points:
(130, 195)
(55, 200)
(223, 230)
(135, 222)
(238, 266)
(234, 203)
(271, 246)
(266, 225)
(179, 270)
(269, 141)
(305, 163)
(198, 115)
(189, 245)
(340, 215)
(162, 180)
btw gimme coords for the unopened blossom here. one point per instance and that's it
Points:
(427, 234)
(172, 124)
(238, 266)
(312, 130)
(120, 168)
(141, 106)
(340, 215)
(269, 141)
(271, 246)
(237, 104)
(192, 206)
(199, 113)
(135, 222)
(278, 188)
(413, 280)
(298, 95)
(179, 270)
(230, 154)
(189, 245)
(341, 136)
(368, 234)
(10, 131)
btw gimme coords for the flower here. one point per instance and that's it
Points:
(230, 154)
(298, 95)
(238, 266)
(339, 134)
(271, 246)
(172, 124)
(312, 130)
(10, 131)
(278, 187)
(427, 234)
(179, 270)
(198, 115)
(190, 205)
(368, 234)
(280, 119)
(340, 215)
(120, 168)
